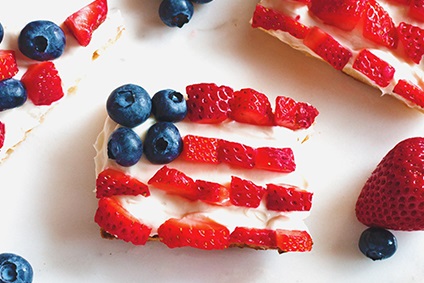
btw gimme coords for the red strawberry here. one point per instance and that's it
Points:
(212, 192)
(344, 14)
(293, 114)
(410, 92)
(8, 65)
(2, 134)
(117, 221)
(197, 232)
(251, 107)
(379, 26)
(416, 10)
(254, 238)
(275, 159)
(236, 154)
(208, 103)
(412, 40)
(293, 241)
(85, 21)
(329, 49)
(245, 193)
(374, 68)
(200, 149)
(43, 83)
(287, 198)
(114, 182)
(393, 196)
(270, 19)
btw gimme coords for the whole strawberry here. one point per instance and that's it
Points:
(393, 196)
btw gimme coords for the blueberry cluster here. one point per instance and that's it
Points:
(130, 105)
(176, 13)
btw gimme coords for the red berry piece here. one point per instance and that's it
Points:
(2, 134)
(245, 193)
(8, 65)
(293, 241)
(236, 154)
(112, 182)
(200, 149)
(412, 40)
(287, 198)
(212, 192)
(293, 114)
(416, 10)
(275, 159)
(410, 92)
(254, 237)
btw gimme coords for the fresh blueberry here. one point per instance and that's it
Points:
(162, 143)
(176, 13)
(377, 243)
(42, 40)
(129, 105)
(201, 1)
(125, 147)
(1, 32)
(12, 94)
(169, 106)
(14, 269)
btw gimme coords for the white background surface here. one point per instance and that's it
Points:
(47, 204)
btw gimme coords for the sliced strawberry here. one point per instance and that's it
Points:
(236, 154)
(194, 231)
(2, 134)
(270, 19)
(275, 159)
(287, 198)
(404, 2)
(251, 107)
(376, 69)
(416, 10)
(344, 14)
(200, 149)
(112, 182)
(293, 114)
(293, 241)
(8, 65)
(329, 49)
(117, 221)
(254, 237)
(412, 40)
(208, 103)
(245, 192)
(43, 83)
(410, 92)
(85, 21)
(212, 192)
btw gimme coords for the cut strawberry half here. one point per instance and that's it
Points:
(254, 237)
(376, 69)
(287, 198)
(412, 40)
(275, 159)
(293, 241)
(112, 182)
(245, 193)
(2, 134)
(212, 192)
(236, 154)
(200, 149)
(293, 114)
(8, 65)
(410, 92)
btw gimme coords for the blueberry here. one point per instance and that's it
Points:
(14, 268)
(162, 143)
(129, 105)
(169, 106)
(42, 40)
(201, 1)
(176, 13)
(1, 32)
(125, 147)
(12, 94)
(377, 243)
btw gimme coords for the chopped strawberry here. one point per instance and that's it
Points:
(344, 14)
(293, 241)
(208, 103)
(404, 2)
(393, 196)
(329, 49)
(236, 154)
(245, 193)
(8, 65)
(251, 107)
(294, 114)
(376, 69)
(410, 92)
(416, 10)
(412, 40)
(194, 231)
(200, 149)
(117, 221)
(112, 182)
(270, 19)
(212, 192)
(43, 83)
(2, 134)
(85, 21)
(254, 237)
(287, 198)
(275, 159)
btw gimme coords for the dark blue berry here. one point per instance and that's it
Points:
(169, 106)
(1, 32)
(14, 269)
(377, 243)
(129, 105)
(201, 1)
(176, 13)
(12, 94)
(162, 143)
(125, 147)
(42, 40)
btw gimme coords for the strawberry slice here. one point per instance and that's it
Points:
(236, 154)
(245, 193)
(194, 231)
(200, 149)
(287, 198)
(43, 83)
(376, 69)
(112, 182)
(293, 241)
(8, 65)
(2, 134)
(212, 192)
(251, 107)
(85, 21)
(275, 159)
(254, 237)
(329, 49)
(410, 92)
(117, 221)
(416, 10)
(412, 40)
(208, 103)
(293, 114)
